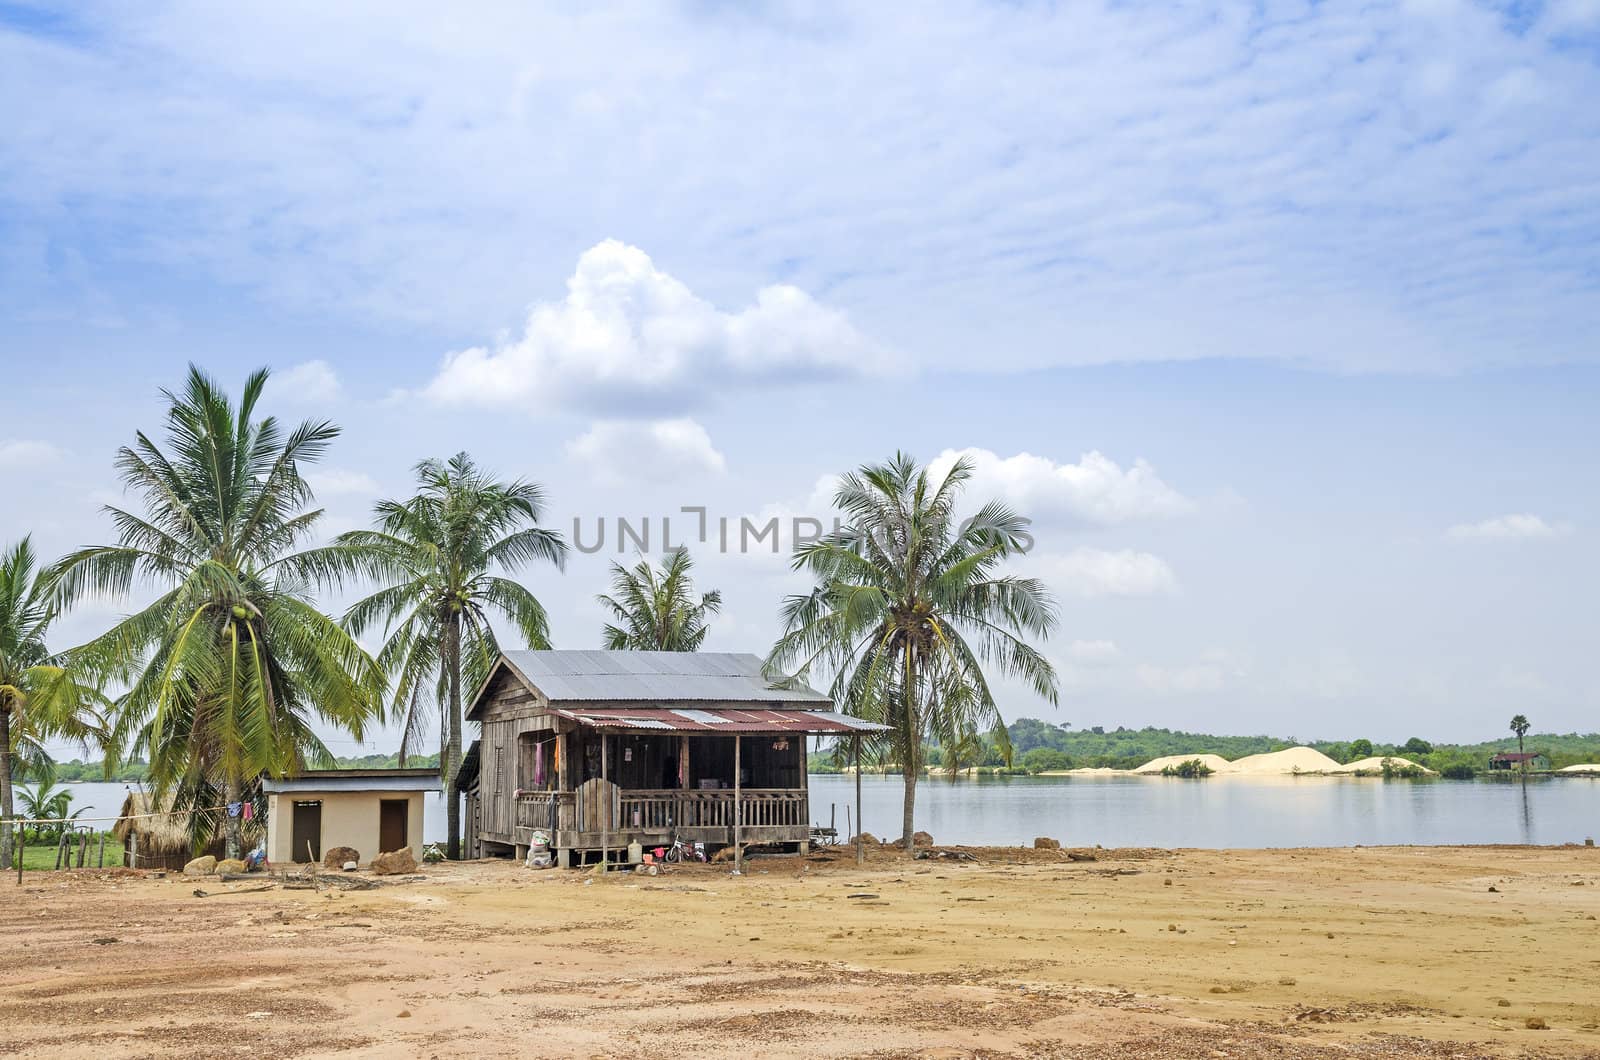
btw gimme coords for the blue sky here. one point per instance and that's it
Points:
(1281, 320)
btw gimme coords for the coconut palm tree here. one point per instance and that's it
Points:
(39, 700)
(47, 802)
(656, 610)
(435, 555)
(908, 610)
(1520, 725)
(229, 666)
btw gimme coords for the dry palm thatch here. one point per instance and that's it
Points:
(169, 836)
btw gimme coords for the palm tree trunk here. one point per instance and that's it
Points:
(911, 759)
(5, 787)
(452, 651)
(906, 825)
(233, 846)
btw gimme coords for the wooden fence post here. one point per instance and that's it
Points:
(861, 856)
(738, 808)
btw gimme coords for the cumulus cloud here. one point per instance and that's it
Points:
(26, 452)
(1092, 572)
(313, 383)
(628, 335)
(658, 451)
(1095, 490)
(1518, 527)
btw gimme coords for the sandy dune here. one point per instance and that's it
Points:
(1217, 763)
(1375, 765)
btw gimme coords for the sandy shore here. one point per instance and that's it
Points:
(1364, 952)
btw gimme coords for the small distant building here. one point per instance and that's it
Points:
(1532, 760)
(372, 810)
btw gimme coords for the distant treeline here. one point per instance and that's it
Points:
(1039, 746)
(137, 770)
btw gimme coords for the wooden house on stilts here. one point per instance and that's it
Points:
(598, 749)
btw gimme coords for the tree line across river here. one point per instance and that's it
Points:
(1044, 747)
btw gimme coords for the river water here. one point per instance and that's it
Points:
(1169, 812)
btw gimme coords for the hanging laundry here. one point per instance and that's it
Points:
(234, 808)
(249, 812)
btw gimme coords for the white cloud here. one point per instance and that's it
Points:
(312, 383)
(628, 335)
(658, 451)
(336, 482)
(1517, 527)
(1094, 490)
(1091, 572)
(1093, 651)
(25, 452)
(1140, 184)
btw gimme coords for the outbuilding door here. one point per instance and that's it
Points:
(307, 831)
(393, 825)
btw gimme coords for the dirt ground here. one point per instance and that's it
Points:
(1439, 952)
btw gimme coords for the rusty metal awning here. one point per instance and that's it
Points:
(727, 720)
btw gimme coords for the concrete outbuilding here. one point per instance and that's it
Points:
(373, 810)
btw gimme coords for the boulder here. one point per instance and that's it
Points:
(1044, 842)
(202, 866)
(339, 855)
(921, 839)
(394, 862)
(230, 866)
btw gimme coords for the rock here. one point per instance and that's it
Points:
(1536, 1023)
(1044, 842)
(339, 855)
(394, 862)
(403, 1014)
(921, 839)
(350, 866)
(231, 866)
(202, 866)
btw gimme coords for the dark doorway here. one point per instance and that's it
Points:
(392, 825)
(307, 831)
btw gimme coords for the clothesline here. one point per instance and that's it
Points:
(119, 817)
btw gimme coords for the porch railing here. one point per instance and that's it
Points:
(546, 809)
(660, 811)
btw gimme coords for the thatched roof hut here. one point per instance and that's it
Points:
(153, 837)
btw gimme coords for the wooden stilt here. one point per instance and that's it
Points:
(738, 808)
(605, 812)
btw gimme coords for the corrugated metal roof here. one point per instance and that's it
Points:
(728, 721)
(355, 780)
(654, 676)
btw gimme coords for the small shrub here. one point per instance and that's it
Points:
(1191, 768)
(1458, 771)
(1393, 770)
